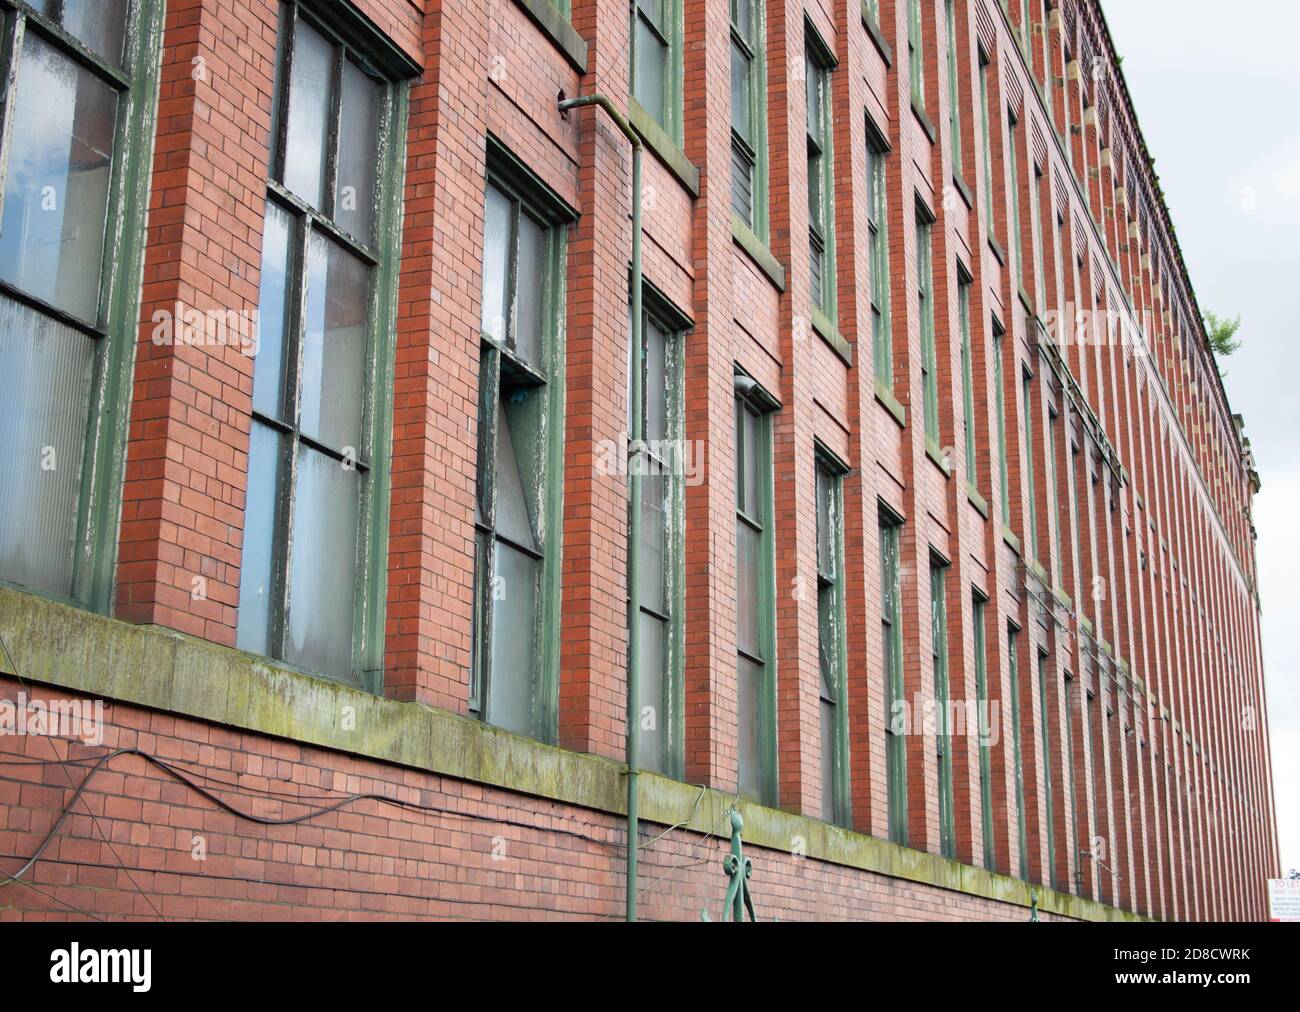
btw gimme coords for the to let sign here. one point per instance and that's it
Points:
(1284, 899)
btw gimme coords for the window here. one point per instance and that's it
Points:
(1070, 690)
(830, 638)
(916, 53)
(661, 572)
(749, 114)
(954, 85)
(76, 131)
(1026, 34)
(520, 458)
(986, 142)
(925, 314)
(1022, 832)
(657, 62)
(967, 371)
(311, 587)
(1036, 237)
(1031, 507)
(1013, 194)
(821, 175)
(1049, 68)
(878, 254)
(1058, 226)
(755, 596)
(1065, 102)
(891, 621)
(1054, 493)
(999, 350)
(985, 716)
(943, 733)
(1050, 878)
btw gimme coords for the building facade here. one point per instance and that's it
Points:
(319, 426)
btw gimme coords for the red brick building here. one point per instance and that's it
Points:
(314, 351)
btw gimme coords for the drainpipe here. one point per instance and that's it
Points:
(636, 447)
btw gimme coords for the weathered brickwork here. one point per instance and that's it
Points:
(1121, 556)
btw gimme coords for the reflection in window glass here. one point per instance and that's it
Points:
(56, 192)
(307, 140)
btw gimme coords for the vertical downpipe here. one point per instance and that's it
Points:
(636, 448)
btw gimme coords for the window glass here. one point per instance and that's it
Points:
(100, 24)
(354, 187)
(334, 345)
(255, 571)
(56, 191)
(45, 380)
(310, 88)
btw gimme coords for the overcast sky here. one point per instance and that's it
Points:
(1216, 90)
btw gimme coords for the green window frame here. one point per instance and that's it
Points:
(986, 140)
(1048, 66)
(656, 67)
(925, 314)
(519, 502)
(891, 622)
(1036, 237)
(749, 161)
(1051, 877)
(1065, 103)
(1031, 496)
(1013, 194)
(954, 85)
(1017, 750)
(882, 341)
(916, 53)
(755, 594)
(1071, 689)
(971, 422)
(71, 261)
(663, 530)
(831, 643)
(1054, 491)
(979, 609)
(1026, 34)
(313, 578)
(1000, 395)
(943, 732)
(818, 64)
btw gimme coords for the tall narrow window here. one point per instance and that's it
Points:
(1036, 237)
(749, 114)
(1031, 505)
(821, 176)
(755, 597)
(1049, 65)
(1027, 33)
(662, 565)
(1070, 767)
(1070, 67)
(942, 732)
(999, 368)
(878, 253)
(925, 314)
(1013, 195)
(1018, 758)
(916, 53)
(1058, 227)
(1044, 717)
(520, 432)
(954, 85)
(964, 282)
(830, 639)
(891, 622)
(1054, 493)
(986, 141)
(76, 131)
(657, 62)
(985, 732)
(317, 471)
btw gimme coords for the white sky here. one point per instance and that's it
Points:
(1216, 89)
